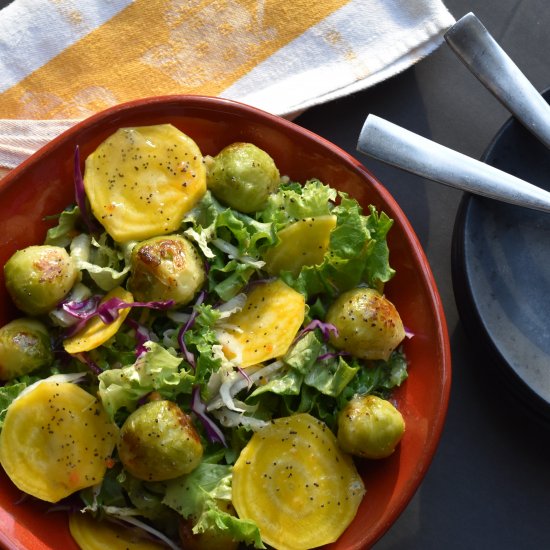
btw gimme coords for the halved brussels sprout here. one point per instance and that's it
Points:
(166, 268)
(39, 277)
(24, 346)
(141, 181)
(158, 441)
(266, 326)
(242, 176)
(56, 439)
(302, 243)
(370, 427)
(296, 484)
(95, 332)
(369, 326)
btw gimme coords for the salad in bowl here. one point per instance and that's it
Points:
(200, 351)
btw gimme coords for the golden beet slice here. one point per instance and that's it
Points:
(141, 181)
(266, 326)
(56, 440)
(93, 534)
(293, 480)
(302, 243)
(95, 332)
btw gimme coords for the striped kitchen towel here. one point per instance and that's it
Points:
(63, 60)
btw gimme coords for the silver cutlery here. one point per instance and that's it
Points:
(484, 57)
(404, 149)
(478, 50)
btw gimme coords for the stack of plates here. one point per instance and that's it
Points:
(501, 272)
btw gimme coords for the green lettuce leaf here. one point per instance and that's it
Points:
(379, 378)
(63, 232)
(212, 226)
(301, 359)
(330, 377)
(327, 377)
(156, 370)
(293, 202)
(287, 383)
(200, 340)
(212, 220)
(358, 254)
(303, 354)
(251, 236)
(7, 394)
(378, 268)
(198, 496)
(107, 266)
(143, 497)
(109, 493)
(228, 278)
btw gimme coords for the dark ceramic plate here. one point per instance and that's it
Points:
(501, 272)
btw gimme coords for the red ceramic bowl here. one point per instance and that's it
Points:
(43, 185)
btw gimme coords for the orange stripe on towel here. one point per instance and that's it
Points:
(155, 47)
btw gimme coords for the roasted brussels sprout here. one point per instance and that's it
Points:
(369, 326)
(166, 268)
(158, 441)
(370, 427)
(39, 277)
(242, 176)
(24, 347)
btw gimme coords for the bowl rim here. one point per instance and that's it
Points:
(427, 278)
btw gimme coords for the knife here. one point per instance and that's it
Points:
(404, 149)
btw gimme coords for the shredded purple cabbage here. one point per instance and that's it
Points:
(199, 408)
(144, 399)
(91, 364)
(80, 194)
(108, 311)
(142, 336)
(244, 374)
(81, 309)
(73, 329)
(325, 328)
(189, 357)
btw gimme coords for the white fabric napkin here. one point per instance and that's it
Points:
(63, 60)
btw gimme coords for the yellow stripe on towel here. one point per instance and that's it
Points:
(155, 47)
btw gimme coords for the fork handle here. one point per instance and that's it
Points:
(480, 52)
